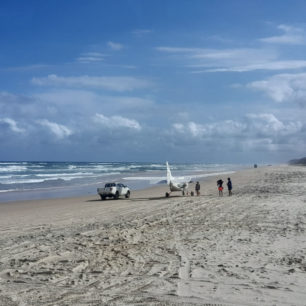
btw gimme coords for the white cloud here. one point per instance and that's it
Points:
(252, 127)
(179, 127)
(179, 50)
(283, 87)
(109, 83)
(141, 32)
(73, 99)
(268, 124)
(196, 129)
(235, 60)
(125, 102)
(114, 122)
(263, 57)
(10, 99)
(59, 130)
(26, 68)
(225, 128)
(12, 124)
(73, 103)
(114, 46)
(190, 128)
(291, 36)
(272, 65)
(233, 54)
(264, 144)
(91, 57)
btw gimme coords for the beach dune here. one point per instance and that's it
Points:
(247, 249)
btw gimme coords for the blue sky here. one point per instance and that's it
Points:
(184, 81)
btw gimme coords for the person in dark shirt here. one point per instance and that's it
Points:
(220, 187)
(197, 188)
(229, 186)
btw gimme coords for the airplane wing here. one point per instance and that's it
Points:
(151, 179)
(182, 179)
(178, 179)
(158, 179)
(212, 174)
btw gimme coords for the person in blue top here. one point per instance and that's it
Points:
(229, 186)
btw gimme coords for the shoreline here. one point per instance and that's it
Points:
(68, 191)
(75, 206)
(248, 248)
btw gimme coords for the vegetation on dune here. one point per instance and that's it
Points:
(300, 161)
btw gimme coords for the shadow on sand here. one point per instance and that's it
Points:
(155, 198)
(136, 199)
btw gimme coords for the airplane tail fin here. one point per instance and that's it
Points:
(169, 175)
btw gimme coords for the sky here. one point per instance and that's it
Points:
(150, 81)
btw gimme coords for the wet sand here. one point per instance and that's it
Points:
(247, 249)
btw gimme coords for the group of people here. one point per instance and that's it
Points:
(220, 187)
(229, 186)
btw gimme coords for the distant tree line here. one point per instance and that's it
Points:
(301, 161)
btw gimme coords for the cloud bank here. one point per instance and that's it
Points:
(283, 87)
(59, 130)
(115, 122)
(11, 124)
(291, 35)
(109, 83)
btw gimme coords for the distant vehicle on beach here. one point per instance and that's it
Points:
(114, 190)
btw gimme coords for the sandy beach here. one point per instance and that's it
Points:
(247, 249)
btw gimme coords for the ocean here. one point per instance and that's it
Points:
(42, 180)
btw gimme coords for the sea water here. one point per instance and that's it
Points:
(40, 180)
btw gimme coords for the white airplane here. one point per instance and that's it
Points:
(179, 183)
(176, 183)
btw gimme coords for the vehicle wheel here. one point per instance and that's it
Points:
(116, 197)
(167, 194)
(102, 197)
(127, 195)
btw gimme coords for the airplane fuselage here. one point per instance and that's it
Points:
(178, 186)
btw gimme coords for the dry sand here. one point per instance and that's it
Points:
(248, 249)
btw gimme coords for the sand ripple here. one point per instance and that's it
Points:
(248, 249)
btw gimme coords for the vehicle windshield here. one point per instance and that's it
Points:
(110, 185)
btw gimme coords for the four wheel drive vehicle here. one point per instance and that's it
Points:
(114, 190)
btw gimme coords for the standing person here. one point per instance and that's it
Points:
(220, 187)
(229, 186)
(197, 188)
